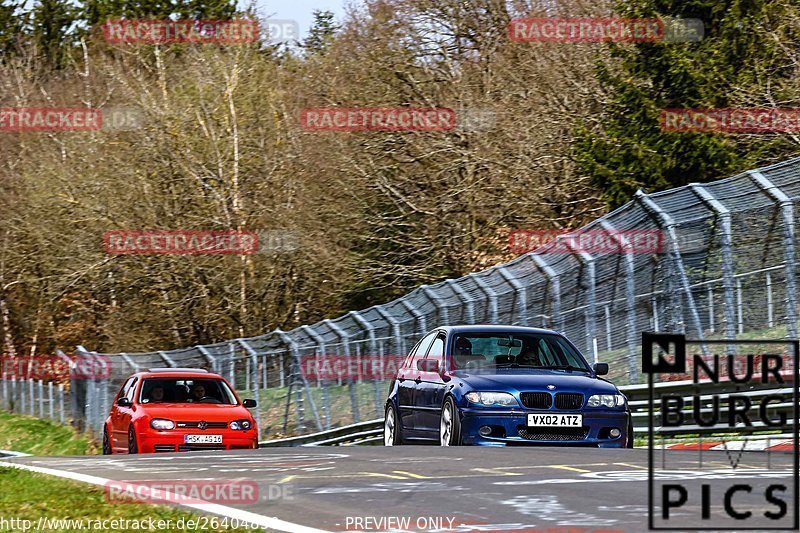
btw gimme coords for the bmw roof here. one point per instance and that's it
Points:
(493, 328)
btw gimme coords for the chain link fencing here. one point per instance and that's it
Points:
(728, 270)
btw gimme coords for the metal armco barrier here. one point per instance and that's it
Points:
(728, 268)
(367, 432)
(638, 398)
(371, 432)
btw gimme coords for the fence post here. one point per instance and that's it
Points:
(6, 405)
(555, 290)
(50, 398)
(520, 297)
(232, 365)
(490, 295)
(40, 387)
(373, 349)
(436, 300)
(61, 402)
(465, 299)
(14, 407)
(723, 215)
(210, 358)
(320, 351)
(167, 359)
(399, 345)
(739, 310)
(31, 398)
(419, 318)
(665, 221)
(711, 308)
(253, 362)
(298, 371)
(770, 308)
(630, 301)
(787, 215)
(588, 262)
(344, 339)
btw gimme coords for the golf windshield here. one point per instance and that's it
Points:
(514, 350)
(186, 390)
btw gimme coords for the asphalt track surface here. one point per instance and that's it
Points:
(458, 489)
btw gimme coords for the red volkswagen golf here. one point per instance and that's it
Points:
(178, 409)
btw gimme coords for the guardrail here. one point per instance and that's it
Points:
(371, 431)
(639, 399)
(367, 432)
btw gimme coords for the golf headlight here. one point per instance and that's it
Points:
(161, 423)
(606, 400)
(492, 398)
(244, 425)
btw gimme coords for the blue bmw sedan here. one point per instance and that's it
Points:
(501, 386)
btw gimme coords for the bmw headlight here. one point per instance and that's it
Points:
(502, 399)
(606, 400)
(162, 423)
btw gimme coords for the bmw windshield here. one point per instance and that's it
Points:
(472, 351)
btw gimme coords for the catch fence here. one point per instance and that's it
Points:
(728, 270)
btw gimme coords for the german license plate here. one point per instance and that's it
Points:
(203, 439)
(554, 420)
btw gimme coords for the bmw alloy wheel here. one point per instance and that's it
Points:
(446, 425)
(389, 427)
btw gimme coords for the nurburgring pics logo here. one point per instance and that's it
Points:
(167, 31)
(731, 395)
(731, 120)
(582, 30)
(180, 242)
(377, 119)
(588, 241)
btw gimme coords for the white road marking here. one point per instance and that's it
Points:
(206, 507)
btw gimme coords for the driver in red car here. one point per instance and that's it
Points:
(198, 392)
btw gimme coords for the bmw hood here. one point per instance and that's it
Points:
(539, 380)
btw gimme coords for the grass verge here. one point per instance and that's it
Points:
(30, 496)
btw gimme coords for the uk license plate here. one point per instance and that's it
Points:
(203, 439)
(554, 420)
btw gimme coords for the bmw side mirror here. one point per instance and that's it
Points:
(249, 403)
(601, 369)
(428, 365)
(124, 402)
